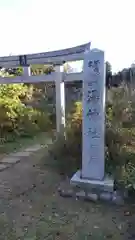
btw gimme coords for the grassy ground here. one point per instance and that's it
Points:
(21, 143)
(33, 209)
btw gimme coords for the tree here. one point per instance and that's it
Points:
(35, 69)
(41, 69)
(68, 68)
(14, 71)
(108, 74)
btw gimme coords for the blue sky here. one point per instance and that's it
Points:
(29, 26)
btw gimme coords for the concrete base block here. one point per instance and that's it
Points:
(106, 185)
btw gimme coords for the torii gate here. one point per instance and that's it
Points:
(57, 58)
(93, 77)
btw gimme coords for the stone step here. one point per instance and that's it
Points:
(10, 160)
(20, 154)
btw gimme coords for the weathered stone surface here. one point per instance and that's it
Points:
(92, 197)
(117, 198)
(106, 185)
(106, 196)
(87, 196)
(2, 167)
(64, 193)
(33, 148)
(80, 194)
(110, 197)
(10, 160)
(20, 154)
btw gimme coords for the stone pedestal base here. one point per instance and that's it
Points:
(91, 190)
(106, 185)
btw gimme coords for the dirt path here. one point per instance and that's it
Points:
(18, 178)
(30, 207)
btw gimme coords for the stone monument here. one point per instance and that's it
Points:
(92, 175)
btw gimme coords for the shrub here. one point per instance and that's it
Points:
(15, 118)
(67, 154)
(127, 177)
